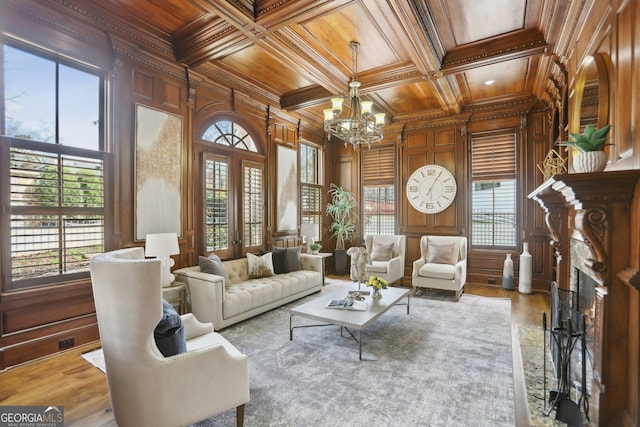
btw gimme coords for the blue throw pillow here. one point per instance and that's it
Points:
(169, 333)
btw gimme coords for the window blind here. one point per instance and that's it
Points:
(493, 156)
(378, 165)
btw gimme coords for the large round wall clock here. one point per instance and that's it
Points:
(431, 189)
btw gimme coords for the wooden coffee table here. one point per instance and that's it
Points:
(347, 319)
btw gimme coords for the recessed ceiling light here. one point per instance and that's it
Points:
(489, 82)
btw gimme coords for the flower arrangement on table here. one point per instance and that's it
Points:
(377, 283)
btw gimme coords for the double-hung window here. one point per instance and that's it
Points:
(493, 190)
(310, 186)
(378, 172)
(52, 163)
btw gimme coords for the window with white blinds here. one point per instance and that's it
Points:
(310, 187)
(493, 190)
(379, 201)
(53, 152)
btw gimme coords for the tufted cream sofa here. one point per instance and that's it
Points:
(223, 304)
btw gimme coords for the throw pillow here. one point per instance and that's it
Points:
(260, 266)
(279, 258)
(382, 252)
(213, 265)
(441, 254)
(292, 258)
(169, 333)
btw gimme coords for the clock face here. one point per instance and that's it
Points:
(431, 189)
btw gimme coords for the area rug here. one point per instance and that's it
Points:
(444, 364)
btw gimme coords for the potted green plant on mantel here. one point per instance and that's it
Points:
(342, 211)
(591, 156)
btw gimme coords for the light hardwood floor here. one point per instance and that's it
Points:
(66, 379)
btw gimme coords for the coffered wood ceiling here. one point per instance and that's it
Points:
(418, 58)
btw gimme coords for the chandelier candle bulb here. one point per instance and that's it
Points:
(336, 105)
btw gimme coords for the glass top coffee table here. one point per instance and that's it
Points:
(347, 319)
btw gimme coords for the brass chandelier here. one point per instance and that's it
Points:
(362, 125)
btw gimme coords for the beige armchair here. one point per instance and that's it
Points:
(442, 264)
(147, 389)
(386, 255)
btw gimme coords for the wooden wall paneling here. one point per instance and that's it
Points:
(635, 82)
(142, 85)
(623, 89)
(536, 144)
(485, 267)
(414, 220)
(285, 134)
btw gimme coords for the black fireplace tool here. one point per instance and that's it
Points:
(567, 410)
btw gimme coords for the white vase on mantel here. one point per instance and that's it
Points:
(590, 161)
(524, 278)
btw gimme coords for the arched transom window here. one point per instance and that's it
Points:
(231, 134)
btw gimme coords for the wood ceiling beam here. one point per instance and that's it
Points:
(517, 44)
(371, 81)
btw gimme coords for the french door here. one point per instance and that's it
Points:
(233, 204)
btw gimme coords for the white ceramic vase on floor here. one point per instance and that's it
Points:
(524, 278)
(507, 274)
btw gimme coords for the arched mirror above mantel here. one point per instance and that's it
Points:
(591, 94)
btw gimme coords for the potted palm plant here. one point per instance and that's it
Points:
(591, 156)
(342, 211)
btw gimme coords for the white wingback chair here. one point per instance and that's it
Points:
(442, 264)
(147, 389)
(390, 267)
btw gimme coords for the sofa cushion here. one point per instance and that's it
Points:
(169, 333)
(212, 265)
(382, 251)
(260, 266)
(438, 271)
(254, 293)
(441, 254)
(378, 267)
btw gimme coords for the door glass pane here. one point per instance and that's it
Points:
(253, 207)
(216, 212)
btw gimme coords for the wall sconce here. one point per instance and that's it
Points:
(162, 246)
(309, 232)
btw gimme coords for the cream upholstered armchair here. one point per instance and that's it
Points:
(146, 388)
(386, 255)
(442, 264)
